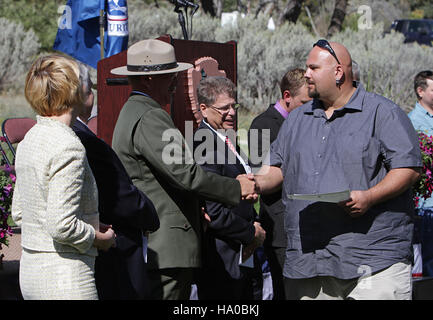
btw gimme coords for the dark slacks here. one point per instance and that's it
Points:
(217, 285)
(276, 257)
(171, 283)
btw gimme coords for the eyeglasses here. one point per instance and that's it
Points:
(324, 44)
(226, 109)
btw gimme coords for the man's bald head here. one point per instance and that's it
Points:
(327, 76)
(345, 59)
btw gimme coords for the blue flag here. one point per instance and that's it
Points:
(78, 33)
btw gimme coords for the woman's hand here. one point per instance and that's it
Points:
(105, 238)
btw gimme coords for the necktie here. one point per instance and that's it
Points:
(230, 145)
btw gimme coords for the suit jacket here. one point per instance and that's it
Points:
(120, 273)
(271, 206)
(230, 226)
(160, 164)
(55, 197)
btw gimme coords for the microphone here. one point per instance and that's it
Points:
(186, 4)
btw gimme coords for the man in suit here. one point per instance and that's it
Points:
(120, 273)
(230, 228)
(264, 128)
(160, 164)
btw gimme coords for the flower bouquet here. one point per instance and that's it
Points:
(424, 186)
(7, 182)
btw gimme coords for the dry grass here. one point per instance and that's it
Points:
(14, 106)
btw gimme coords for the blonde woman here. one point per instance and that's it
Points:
(55, 197)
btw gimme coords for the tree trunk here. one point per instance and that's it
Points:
(218, 5)
(260, 6)
(242, 8)
(337, 17)
(312, 21)
(207, 6)
(291, 12)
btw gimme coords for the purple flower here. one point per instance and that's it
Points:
(423, 188)
(7, 189)
(7, 179)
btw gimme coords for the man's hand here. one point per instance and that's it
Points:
(260, 234)
(259, 238)
(358, 203)
(205, 219)
(269, 179)
(104, 227)
(248, 187)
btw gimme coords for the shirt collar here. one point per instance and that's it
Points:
(219, 134)
(355, 102)
(420, 109)
(281, 109)
(78, 119)
(136, 92)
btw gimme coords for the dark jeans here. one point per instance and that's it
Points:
(218, 285)
(171, 283)
(276, 257)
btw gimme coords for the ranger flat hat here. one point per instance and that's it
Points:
(151, 56)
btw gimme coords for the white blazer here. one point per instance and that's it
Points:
(55, 196)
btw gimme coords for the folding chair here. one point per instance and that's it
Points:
(4, 159)
(93, 124)
(14, 130)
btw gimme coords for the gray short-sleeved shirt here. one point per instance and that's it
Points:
(354, 150)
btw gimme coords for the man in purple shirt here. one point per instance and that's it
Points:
(345, 139)
(263, 131)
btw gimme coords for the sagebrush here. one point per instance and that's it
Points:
(18, 48)
(388, 66)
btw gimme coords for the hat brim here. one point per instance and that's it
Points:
(123, 71)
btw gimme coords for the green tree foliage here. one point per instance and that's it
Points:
(41, 16)
(387, 65)
(425, 7)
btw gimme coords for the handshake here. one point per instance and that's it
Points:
(249, 188)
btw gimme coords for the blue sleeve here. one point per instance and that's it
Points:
(398, 138)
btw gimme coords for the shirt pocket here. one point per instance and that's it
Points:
(354, 159)
(350, 148)
(364, 156)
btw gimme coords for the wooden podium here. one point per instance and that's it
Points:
(208, 58)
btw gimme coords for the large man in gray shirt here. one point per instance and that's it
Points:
(345, 138)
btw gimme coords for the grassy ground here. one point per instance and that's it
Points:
(14, 105)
